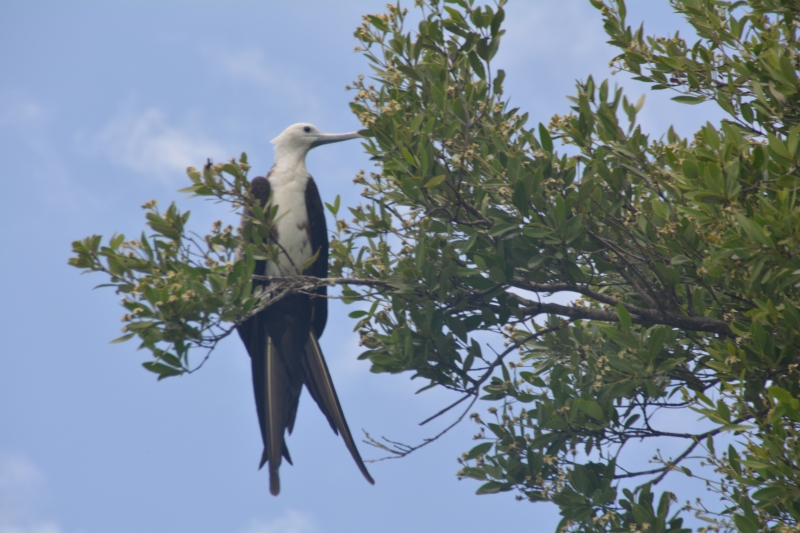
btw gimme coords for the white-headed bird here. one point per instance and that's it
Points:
(283, 339)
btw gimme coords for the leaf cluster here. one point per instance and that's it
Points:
(679, 256)
(589, 298)
(182, 291)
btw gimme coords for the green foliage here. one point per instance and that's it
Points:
(683, 256)
(678, 259)
(181, 292)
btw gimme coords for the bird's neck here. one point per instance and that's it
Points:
(288, 161)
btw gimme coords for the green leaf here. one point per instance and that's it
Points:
(593, 409)
(311, 260)
(691, 100)
(497, 84)
(544, 138)
(480, 449)
(770, 493)
(162, 370)
(753, 229)
(781, 395)
(656, 341)
(500, 229)
(378, 23)
(736, 427)
(689, 169)
(116, 240)
(493, 487)
(334, 209)
(744, 524)
(408, 157)
(124, 338)
(574, 229)
(435, 181)
(538, 232)
(624, 316)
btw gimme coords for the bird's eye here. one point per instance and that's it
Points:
(307, 129)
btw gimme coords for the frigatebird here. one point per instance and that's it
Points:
(283, 339)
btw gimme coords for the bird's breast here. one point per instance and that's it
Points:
(291, 226)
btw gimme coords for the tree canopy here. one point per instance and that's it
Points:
(676, 260)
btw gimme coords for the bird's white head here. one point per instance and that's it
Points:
(292, 145)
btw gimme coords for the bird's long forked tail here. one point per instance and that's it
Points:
(320, 385)
(276, 406)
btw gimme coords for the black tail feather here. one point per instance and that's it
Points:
(284, 358)
(320, 385)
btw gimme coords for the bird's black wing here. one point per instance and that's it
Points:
(260, 190)
(276, 390)
(318, 235)
(318, 379)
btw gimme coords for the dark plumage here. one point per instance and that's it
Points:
(282, 340)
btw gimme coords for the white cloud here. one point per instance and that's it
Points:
(19, 110)
(291, 522)
(21, 485)
(147, 144)
(29, 124)
(44, 527)
(250, 66)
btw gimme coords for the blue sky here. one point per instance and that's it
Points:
(102, 106)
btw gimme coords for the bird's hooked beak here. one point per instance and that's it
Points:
(327, 138)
